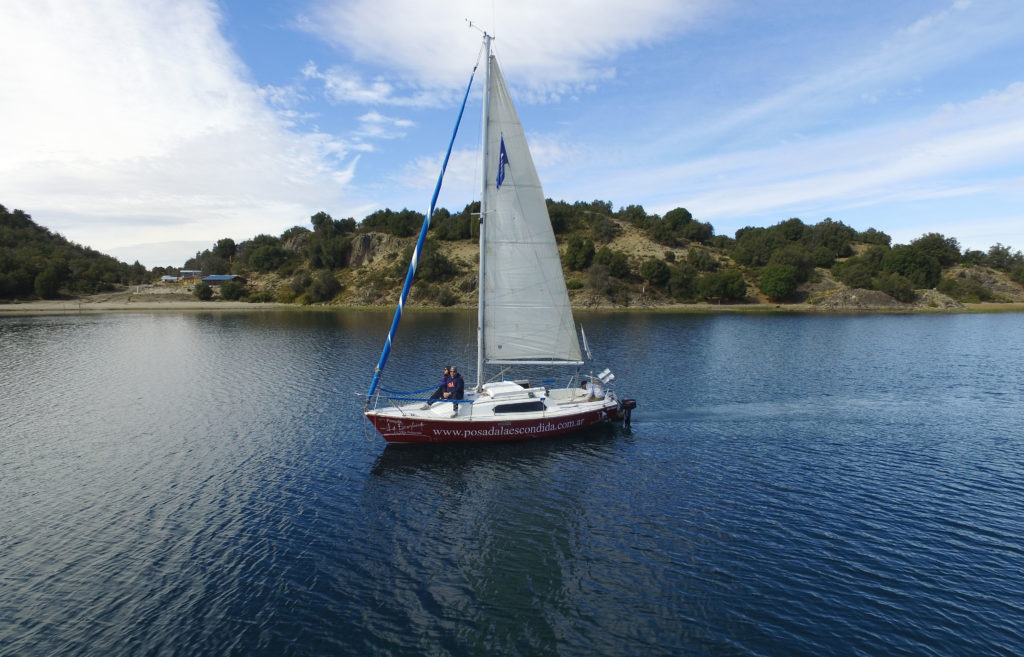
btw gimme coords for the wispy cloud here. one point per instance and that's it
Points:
(344, 85)
(375, 124)
(957, 151)
(581, 36)
(885, 77)
(461, 180)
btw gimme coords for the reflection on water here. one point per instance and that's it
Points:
(413, 459)
(205, 484)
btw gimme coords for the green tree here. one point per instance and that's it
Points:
(796, 256)
(329, 251)
(634, 214)
(682, 282)
(616, 261)
(561, 215)
(47, 283)
(823, 257)
(324, 287)
(300, 282)
(405, 223)
(656, 271)
(579, 253)
(778, 281)
(916, 265)
(268, 257)
(677, 227)
(725, 284)
(208, 263)
(451, 227)
(702, 259)
(434, 265)
(224, 248)
(203, 292)
(232, 290)
(896, 286)
(1000, 257)
(603, 229)
(944, 249)
(858, 272)
(968, 290)
(872, 236)
(754, 246)
(834, 236)
(855, 273)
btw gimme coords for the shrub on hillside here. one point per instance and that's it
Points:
(967, 290)
(324, 287)
(579, 253)
(778, 282)
(616, 261)
(682, 282)
(896, 286)
(232, 290)
(726, 284)
(203, 292)
(656, 271)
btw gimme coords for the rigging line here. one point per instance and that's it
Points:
(386, 351)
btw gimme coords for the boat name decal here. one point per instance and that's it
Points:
(510, 430)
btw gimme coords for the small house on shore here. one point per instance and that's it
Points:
(217, 279)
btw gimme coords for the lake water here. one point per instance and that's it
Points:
(203, 484)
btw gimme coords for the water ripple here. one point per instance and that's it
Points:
(200, 484)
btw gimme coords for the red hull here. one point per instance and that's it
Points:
(407, 429)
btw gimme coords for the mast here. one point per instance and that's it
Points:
(483, 215)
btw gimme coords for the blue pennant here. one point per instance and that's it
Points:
(502, 161)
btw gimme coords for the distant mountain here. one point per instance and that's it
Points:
(37, 263)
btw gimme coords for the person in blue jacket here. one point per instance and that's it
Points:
(456, 387)
(442, 389)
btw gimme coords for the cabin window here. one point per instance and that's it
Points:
(521, 407)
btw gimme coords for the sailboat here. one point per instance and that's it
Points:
(523, 319)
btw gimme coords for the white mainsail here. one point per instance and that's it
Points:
(527, 317)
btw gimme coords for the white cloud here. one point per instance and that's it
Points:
(552, 46)
(959, 151)
(117, 111)
(375, 124)
(461, 179)
(883, 74)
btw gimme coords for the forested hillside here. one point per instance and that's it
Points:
(35, 262)
(610, 257)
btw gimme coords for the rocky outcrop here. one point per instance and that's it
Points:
(859, 299)
(996, 282)
(369, 248)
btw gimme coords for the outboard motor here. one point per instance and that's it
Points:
(627, 410)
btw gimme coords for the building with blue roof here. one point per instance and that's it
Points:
(217, 279)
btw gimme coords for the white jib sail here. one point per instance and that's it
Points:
(527, 317)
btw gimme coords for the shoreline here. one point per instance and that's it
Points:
(103, 303)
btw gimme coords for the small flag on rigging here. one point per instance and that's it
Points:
(502, 161)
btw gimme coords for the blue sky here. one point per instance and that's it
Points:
(149, 130)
